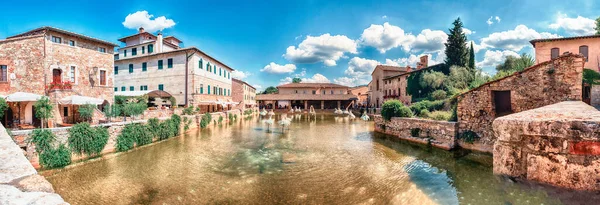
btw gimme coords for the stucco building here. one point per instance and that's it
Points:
(389, 82)
(361, 93)
(154, 62)
(588, 46)
(304, 95)
(59, 64)
(243, 93)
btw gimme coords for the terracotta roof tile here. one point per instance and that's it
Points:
(311, 85)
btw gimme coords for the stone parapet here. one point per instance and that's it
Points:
(440, 134)
(557, 144)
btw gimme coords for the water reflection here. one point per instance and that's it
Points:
(323, 159)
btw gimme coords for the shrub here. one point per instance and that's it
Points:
(433, 79)
(427, 105)
(173, 101)
(469, 136)
(589, 76)
(164, 130)
(153, 127)
(235, 117)
(424, 113)
(230, 117)
(86, 111)
(43, 109)
(175, 124)
(188, 110)
(221, 118)
(83, 139)
(415, 132)
(128, 137)
(186, 123)
(3, 106)
(440, 115)
(143, 136)
(54, 158)
(438, 95)
(394, 108)
(42, 139)
(206, 118)
(198, 109)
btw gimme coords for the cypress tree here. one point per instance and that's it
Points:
(472, 59)
(456, 51)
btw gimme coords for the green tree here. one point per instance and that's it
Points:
(472, 59)
(456, 51)
(270, 90)
(394, 108)
(591, 77)
(132, 109)
(513, 64)
(459, 78)
(112, 111)
(43, 109)
(433, 79)
(3, 107)
(86, 111)
(296, 80)
(597, 26)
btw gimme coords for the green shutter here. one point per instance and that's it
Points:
(200, 63)
(144, 66)
(130, 68)
(170, 63)
(160, 64)
(116, 70)
(208, 90)
(150, 48)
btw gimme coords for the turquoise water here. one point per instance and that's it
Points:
(327, 160)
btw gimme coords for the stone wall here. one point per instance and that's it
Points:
(595, 96)
(19, 181)
(440, 134)
(557, 144)
(543, 84)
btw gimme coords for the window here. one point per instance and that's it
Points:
(56, 39)
(144, 66)
(102, 50)
(583, 50)
(130, 68)
(314, 92)
(150, 48)
(304, 92)
(219, 71)
(323, 92)
(71, 43)
(133, 51)
(201, 89)
(125, 53)
(554, 53)
(295, 90)
(72, 74)
(501, 101)
(143, 49)
(228, 75)
(65, 111)
(4, 72)
(102, 77)
(214, 69)
(143, 87)
(208, 89)
(161, 87)
(116, 70)
(160, 64)
(200, 63)
(131, 88)
(399, 92)
(123, 88)
(208, 66)
(170, 63)
(116, 89)
(332, 92)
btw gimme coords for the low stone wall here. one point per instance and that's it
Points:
(158, 113)
(557, 144)
(440, 134)
(19, 181)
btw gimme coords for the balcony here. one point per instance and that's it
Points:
(59, 86)
(391, 97)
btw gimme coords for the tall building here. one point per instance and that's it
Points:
(379, 91)
(68, 67)
(304, 95)
(243, 93)
(152, 62)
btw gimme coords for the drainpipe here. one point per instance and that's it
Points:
(187, 60)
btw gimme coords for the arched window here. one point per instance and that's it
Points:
(554, 53)
(583, 50)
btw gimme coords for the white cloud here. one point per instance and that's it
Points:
(430, 41)
(143, 19)
(413, 59)
(237, 74)
(348, 81)
(316, 78)
(493, 58)
(324, 48)
(576, 26)
(490, 21)
(515, 39)
(385, 37)
(468, 31)
(384, 17)
(360, 66)
(278, 69)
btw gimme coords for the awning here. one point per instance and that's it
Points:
(23, 97)
(150, 93)
(80, 100)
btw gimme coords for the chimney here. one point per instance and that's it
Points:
(424, 60)
(159, 42)
(141, 30)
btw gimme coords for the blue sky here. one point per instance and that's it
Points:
(270, 42)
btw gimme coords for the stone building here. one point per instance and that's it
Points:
(361, 93)
(588, 46)
(67, 67)
(243, 93)
(192, 77)
(304, 95)
(377, 91)
(546, 83)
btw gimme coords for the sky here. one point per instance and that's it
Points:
(270, 42)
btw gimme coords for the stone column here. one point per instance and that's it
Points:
(322, 104)
(339, 104)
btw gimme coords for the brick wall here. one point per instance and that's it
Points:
(543, 84)
(439, 134)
